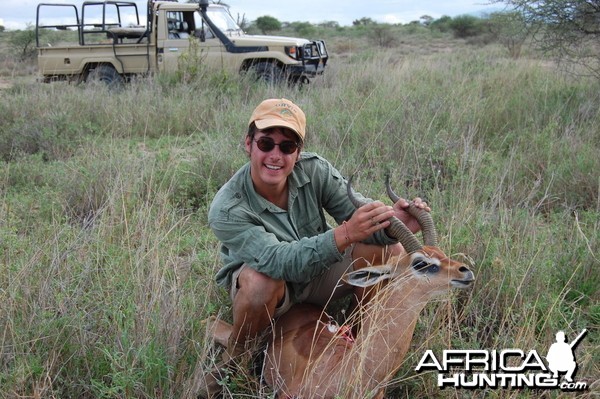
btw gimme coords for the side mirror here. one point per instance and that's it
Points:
(199, 33)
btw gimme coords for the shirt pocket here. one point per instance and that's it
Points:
(311, 227)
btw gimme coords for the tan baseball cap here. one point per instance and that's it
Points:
(281, 113)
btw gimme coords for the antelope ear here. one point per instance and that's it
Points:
(369, 276)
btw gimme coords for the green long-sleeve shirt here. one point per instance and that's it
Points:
(296, 245)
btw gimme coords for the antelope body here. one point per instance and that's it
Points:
(309, 357)
(306, 359)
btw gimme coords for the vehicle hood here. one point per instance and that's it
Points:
(262, 40)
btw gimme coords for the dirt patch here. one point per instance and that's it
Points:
(5, 84)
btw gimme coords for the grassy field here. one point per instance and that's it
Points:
(107, 263)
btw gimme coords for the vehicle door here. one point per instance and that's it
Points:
(180, 35)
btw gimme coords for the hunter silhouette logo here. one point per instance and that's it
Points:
(507, 368)
(560, 355)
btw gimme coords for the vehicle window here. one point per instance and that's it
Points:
(180, 24)
(221, 18)
(201, 25)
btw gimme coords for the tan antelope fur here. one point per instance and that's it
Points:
(310, 357)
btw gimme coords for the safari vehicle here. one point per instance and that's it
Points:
(111, 46)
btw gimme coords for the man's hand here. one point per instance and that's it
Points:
(406, 218)
(367, 220)
(372, 217)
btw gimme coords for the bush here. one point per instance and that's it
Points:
(510, 29)
(441, 24)
(267, 24)
(382, 35)
(465, 26)
(304, 29)
(22, 43)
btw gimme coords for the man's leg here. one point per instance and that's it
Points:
(254, 306)
(255, 298)
(365, 255)
(330, 286)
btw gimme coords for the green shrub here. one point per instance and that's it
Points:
(464, 26)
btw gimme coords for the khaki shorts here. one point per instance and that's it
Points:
(320, 291)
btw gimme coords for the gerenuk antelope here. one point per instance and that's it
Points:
(310, 357)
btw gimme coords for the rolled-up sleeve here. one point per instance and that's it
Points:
(248, 241)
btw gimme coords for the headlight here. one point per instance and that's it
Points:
(292, 51)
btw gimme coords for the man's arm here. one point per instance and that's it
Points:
(295, 261)
(365, 224)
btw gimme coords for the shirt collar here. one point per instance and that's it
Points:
(296, 179)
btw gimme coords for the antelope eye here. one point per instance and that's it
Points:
(422, 266)
(419, 264)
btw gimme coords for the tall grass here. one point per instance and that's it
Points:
(107, 263)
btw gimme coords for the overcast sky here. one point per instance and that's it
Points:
(15, 14)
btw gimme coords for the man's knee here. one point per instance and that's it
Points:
(375, 254)
(258, 289)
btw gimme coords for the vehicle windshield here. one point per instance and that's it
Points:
(220, 17)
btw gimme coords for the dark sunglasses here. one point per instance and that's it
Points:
(266, 144)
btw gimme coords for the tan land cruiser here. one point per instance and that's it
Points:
(111, 46)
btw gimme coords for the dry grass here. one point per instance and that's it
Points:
(107, 263)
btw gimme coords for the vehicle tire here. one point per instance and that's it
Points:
(299, 82)
(106, 75)
(268, 72)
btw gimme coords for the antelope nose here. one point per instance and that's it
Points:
(469, 276)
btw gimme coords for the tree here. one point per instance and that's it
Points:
(22, 42)
(382, 35)
(426, 19)
(510, 30)
(304, 29)
(242, 22)
(465, 26)
(570, 31)
(441, 24)
(329, 24)
(364, 21)
(268, 24)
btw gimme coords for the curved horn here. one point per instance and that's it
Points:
(426, 222)
(355, 201)
(400, 232)
(423, 217)
(396, 229)
(388, 188)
